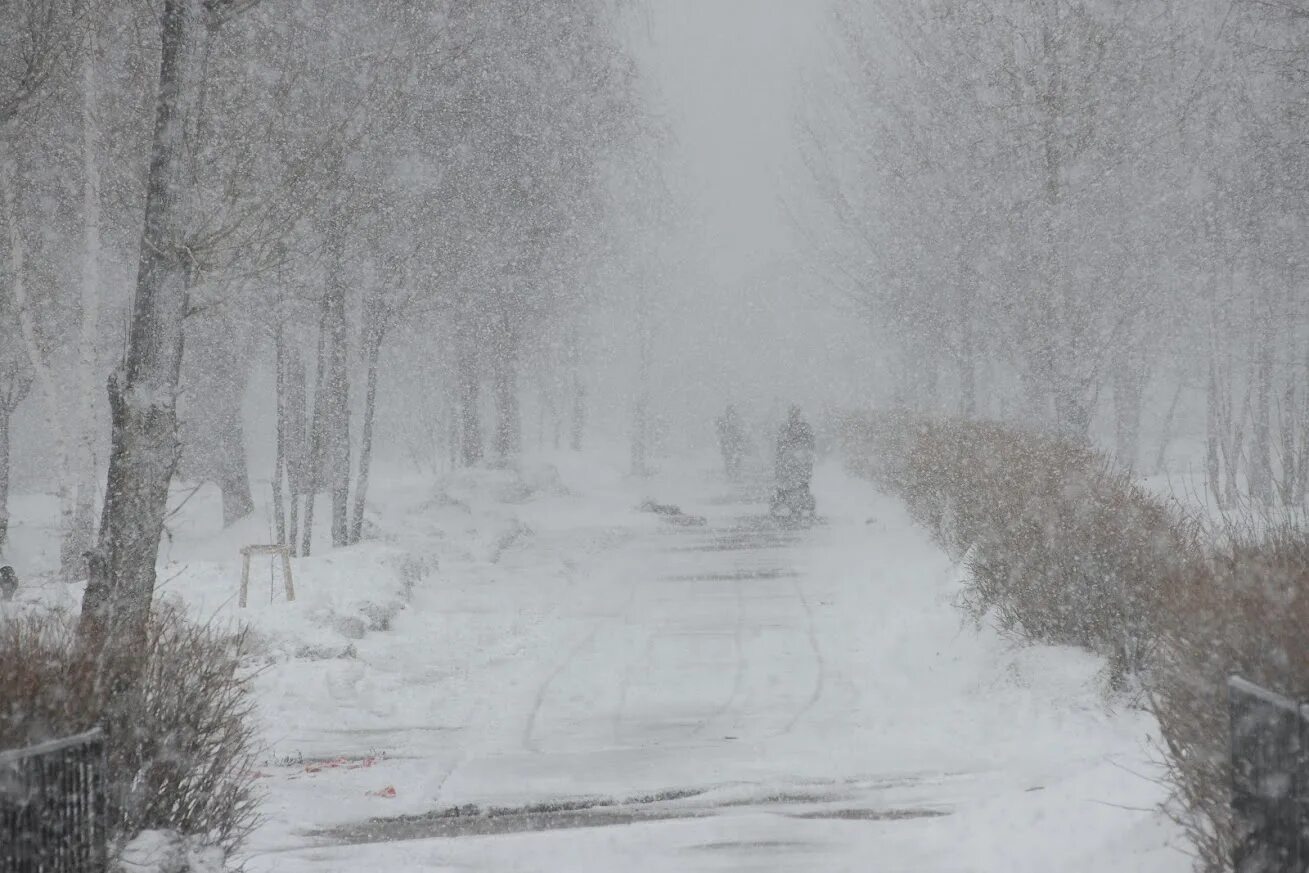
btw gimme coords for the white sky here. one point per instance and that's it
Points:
(742, 326)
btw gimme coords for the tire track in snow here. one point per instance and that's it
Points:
(529, 729)
(819, 661)
(738, 680)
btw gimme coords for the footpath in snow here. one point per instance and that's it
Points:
(526, 673)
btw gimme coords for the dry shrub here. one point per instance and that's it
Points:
(1061, 547)
(1239, 606)
(181, 758)
(1064, 549)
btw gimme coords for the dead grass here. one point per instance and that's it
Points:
(181, 758)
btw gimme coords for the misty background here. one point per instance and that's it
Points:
(1080, 218)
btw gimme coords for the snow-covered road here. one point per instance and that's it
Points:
(586, 687)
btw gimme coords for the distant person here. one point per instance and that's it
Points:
(795, 466)
(731, 441)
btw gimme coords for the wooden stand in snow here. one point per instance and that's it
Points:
(272, 550)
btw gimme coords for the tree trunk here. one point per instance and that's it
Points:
(576, 387)
(5, 413)
(279, 462)
(293, 436)
(1302, 462)
(509, 424)
(143, 392)
(967, 373)
(577, 425)
(366, 436)
(337, 413)
(234, 474)
(1289, 422)
(1129, 385)
(470, 428)
(1212, 439)
(315, 466)
(641, 409)
(1166, 437)
(1261, 462)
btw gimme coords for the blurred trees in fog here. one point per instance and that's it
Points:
(195, 191)
(1050, 210)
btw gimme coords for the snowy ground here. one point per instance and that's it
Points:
(525, 673)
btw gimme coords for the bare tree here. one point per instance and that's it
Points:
(143, 391)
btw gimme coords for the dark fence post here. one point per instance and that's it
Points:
(53, 814)
(1270, 776)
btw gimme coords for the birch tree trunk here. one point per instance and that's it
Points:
(143, 391)
(373, 344)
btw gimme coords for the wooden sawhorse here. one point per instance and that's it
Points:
(273, 551)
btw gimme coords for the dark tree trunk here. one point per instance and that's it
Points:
(143, 392)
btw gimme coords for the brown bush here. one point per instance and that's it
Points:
(1239, 606)
(182, 758)
(1064, 549)
(1061, 547)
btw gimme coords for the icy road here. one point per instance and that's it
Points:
(575, 685)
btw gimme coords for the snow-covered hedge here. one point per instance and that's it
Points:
(1062, 548)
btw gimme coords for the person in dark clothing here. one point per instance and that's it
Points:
(795, 465)
(731, 441)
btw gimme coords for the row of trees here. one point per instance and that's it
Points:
(1083, 204)
(195, 189)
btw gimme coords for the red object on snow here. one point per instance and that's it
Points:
(388, 791)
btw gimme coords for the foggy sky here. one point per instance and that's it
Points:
(730, 73)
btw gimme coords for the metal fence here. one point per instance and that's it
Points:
(53, 816)
(1270, 779)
